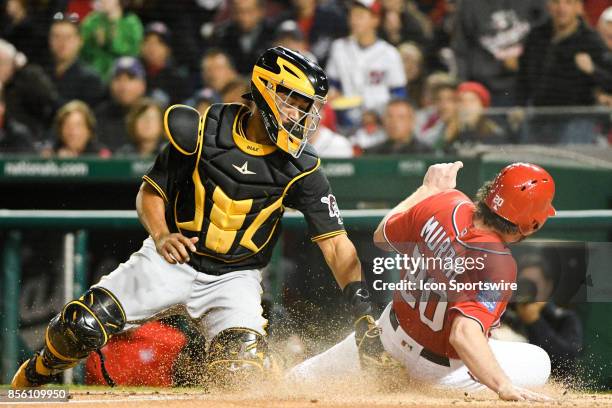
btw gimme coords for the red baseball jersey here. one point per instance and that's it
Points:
(441, 227)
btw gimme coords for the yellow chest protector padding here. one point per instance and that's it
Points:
(183, 127)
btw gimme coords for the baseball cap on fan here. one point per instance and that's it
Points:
(289, 29)
(130, 66)
(160, 29)
(373, 5)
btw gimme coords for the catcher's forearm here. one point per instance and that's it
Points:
(151, 209)
(472, 346)
(341, 257)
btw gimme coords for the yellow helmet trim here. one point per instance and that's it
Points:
(298, 82)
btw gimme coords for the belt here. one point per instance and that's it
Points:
(425, 353)
(197, 261)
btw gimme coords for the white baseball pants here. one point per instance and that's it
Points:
(147, 286)
(526, 365)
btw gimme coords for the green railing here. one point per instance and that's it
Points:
(365, 182)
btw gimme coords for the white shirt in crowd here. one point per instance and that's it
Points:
(370, 72)
(331, 145)
(366, 140)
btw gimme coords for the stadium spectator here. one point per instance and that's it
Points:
(604, 98)
(75, 126)
(364, 67)
(562, 66)
(438, 123)
(603, 74)
(217, 70)
(202, 100)
(369, 134)
(553, 67)
(488, 41)
(320, 23)
(246, 35)
(145, 128)
(30, 96)
(593, 10)
(435, 10)
(414, 68)
(81, 8)
(186, 20)
(233, 91)
(165, 81)
(330, 144)
(402, 21)
(473, 125)
(604, 27)
(439, 55)
(289, 35)
(14, 136)
(398, 125)
(109, 33)
(329, 119)
(20, 27)
(127, 86)
(431, 82)
(557, 330)
(600, 72)
(72, 78)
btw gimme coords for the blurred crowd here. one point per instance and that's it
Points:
(406, 76)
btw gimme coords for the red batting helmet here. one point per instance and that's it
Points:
(522, 193)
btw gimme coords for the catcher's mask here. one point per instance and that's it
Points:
(289, 90)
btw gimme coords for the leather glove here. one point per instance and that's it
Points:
(372, 354)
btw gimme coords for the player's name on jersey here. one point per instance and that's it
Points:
(450, 286)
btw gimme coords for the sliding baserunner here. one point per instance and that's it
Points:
(442, 336)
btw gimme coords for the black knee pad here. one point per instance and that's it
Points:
(84, 325)
(236, 356)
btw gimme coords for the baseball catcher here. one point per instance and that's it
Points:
(212, 204)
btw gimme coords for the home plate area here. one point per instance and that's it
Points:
(276, 396)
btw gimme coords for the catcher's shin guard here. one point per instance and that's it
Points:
(236, 356)
(84, 325)
(27, 376)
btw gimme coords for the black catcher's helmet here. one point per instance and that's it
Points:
(290, 91)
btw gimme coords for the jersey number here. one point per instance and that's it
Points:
(431, 309)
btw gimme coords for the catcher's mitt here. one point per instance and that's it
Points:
(372, 354)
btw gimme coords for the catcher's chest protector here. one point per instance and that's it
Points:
(232, 198)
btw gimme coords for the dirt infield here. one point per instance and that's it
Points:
(323, 397)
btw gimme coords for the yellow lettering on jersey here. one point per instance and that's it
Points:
(226, 217)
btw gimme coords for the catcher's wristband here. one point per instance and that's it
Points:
(357, 296)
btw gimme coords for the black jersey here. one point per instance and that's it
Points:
(231, 192)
